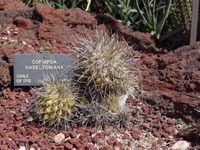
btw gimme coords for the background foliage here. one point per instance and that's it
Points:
(162, 19)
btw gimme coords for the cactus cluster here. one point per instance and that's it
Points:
(104, 78)
(105, 73)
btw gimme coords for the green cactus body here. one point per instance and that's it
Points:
(105, 73)
(181, 13)
(184, 14)
(102, 66)
(55, 102)
(112, 103)
(105, 80)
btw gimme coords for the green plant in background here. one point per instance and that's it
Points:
(153, 15)
(178, 23)
(124, 10)
(54, 104)
(185, 11)
(144, 15)
(32, 2)
(45, 44)
(180, 15)
(61, 4)
(161, 18)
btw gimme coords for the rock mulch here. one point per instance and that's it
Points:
(169, 101)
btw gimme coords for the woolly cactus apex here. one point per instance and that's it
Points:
(55, 102)
(115, 103)
(105, 66)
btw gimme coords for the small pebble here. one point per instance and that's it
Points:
(22, 148)
(15, 33)
(59, 137)
(8, 32)
(181, 145)
(30, 118)
(13, 112)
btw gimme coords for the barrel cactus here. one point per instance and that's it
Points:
(54, 104)
(104, 67)
(105, 72)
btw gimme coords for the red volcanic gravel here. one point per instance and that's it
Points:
(170, 81)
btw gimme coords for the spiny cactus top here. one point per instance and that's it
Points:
(103, 66)
(55, 102)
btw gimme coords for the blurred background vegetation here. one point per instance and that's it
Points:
(164, 19)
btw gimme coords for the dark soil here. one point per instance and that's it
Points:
(170, 81)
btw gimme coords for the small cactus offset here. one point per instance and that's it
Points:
(99, 114)
(55, 102)
(112, 103)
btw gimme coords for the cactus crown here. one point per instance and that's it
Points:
(102, 67)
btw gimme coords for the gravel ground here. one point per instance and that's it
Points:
(170, 81)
